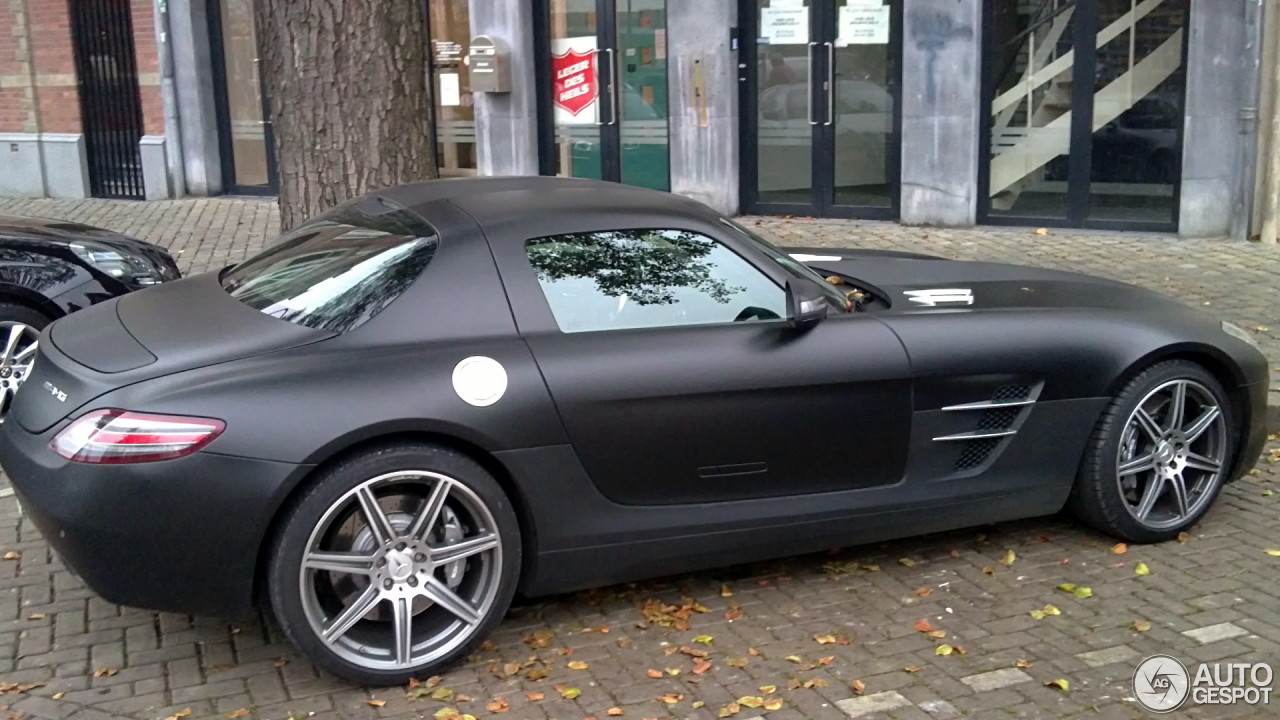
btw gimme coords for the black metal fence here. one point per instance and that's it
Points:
(110, 105)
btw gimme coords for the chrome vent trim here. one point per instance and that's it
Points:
(976, 435)
(988, 404)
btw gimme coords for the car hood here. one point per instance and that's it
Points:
(181, 325)
(61, 232)
(915, 283)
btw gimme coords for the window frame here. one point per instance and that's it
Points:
(771, 272)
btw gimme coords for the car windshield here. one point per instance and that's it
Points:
(791, 265)
(338, 271)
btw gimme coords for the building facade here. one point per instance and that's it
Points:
(1108, 114)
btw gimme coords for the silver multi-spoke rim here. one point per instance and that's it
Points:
(1172, 454)
(401, 570)
(20, 342)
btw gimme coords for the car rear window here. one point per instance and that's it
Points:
(338, 271)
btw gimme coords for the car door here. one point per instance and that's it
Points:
(678, 379)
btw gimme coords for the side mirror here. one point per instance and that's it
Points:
(806, 304)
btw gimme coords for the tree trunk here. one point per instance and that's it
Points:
(350, 105)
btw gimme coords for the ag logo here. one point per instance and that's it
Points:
(1161, 683)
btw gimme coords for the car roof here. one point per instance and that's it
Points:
(525, 201)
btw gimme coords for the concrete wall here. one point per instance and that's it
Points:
(703, 114)
(43, 165)
(193, 78)
(941, 111)
(1213, 149)
(507, 123)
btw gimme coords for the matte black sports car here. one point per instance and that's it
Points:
(50, 268)
(431, 397)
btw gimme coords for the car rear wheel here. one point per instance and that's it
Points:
(395, 563)
(1159, 455)
(20, 328)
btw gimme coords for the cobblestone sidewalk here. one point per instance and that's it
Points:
(822, 637)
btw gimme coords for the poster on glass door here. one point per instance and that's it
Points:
(575, 87)
(863, 24)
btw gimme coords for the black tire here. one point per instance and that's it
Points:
(1096, 497)
(15, 313)
(293, 534)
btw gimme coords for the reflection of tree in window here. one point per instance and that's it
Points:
(33, 270)
(645, 266)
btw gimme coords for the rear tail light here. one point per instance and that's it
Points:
(120, 436)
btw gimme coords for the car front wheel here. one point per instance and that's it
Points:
(1158, 456)
(395, 563)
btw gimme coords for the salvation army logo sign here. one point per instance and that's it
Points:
(573, 74)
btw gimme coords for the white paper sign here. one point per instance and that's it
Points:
(785, 25)
(450, 90)
(864, 26)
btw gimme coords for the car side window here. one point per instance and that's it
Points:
(627, 279)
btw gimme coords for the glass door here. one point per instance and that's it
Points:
(1085, 108)
(245, 128)
(820, 107)
(449, 28)
(608, 91)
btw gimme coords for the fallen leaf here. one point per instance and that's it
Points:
(1141, 569)
(773, 704)
(534, 696)
(613, 711)
(184, 712)
(824, 639)
(700, 666)
(446, 713)
(1268, 493)
(1052, 610)
(280, 662)
(733, 613)
(498, 705)
(912, 669)
(443, 694)
(1140, 625)
(671, 698)
(377, 703)
(1042, 231)
(673, 671)
(489, 646)
(107, 672)
(955, 553)
(577, 665)
(725, 591)
(568, 693)
(693, 652)
(12, 555)
(537, 673)
(988, 571)
(1067, 587)
(696, 704)
(703, 639)
(751, 701)
(1083, 593)
(923, 626)
(511, 668)
(36, 616)
(1274, 553)
(943, 650)
(736, 662)
(870, 568)
(753, 652)
(244, 712)
(1183, 538)
(655, 674)
(1119, 549)
(827, 660)
(858, 687)
(768, 689)
(58, 695)
(1008, 559)
(1060, 683)
(540, 639)
(814, 683)
(794, 658)
(624, 642)
(729, 710)
(960, 650)
(1022, 663)
(908, 562)
(1038, 614)
(938, 634)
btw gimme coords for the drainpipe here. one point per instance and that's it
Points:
(1271, 188)
(168, 91)
(1253, 33)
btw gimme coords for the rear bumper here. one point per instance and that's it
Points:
(179, 536)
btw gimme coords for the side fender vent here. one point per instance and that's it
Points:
(976, 453)
(990, 422)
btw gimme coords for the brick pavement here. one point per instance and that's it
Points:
(1212, 598)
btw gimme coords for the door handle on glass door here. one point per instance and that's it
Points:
(613, 90)
(831, 83)
(809, 77)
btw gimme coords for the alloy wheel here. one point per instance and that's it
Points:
(1172, 454)
(19, 354)
(401, 570)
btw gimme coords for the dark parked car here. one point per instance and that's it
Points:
(431, 397)
(50, 268)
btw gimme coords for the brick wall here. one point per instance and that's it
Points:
(148, 58)
(38, 91)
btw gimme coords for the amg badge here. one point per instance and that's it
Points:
(62, 397)
(941, 296)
